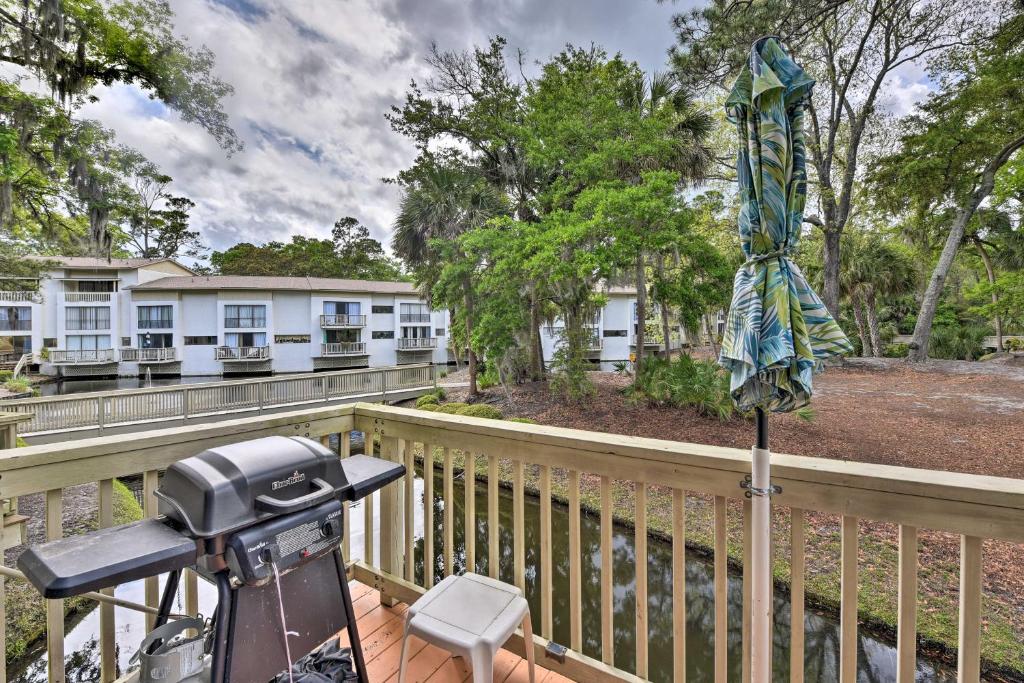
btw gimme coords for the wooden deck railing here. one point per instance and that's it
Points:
(134, 355)
(83, 356)
(975, 507)
(86, 297)
(105, 409)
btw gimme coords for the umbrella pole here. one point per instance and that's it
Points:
(760, 555)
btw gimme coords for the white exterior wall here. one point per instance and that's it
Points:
(290, 311)
(198, 319)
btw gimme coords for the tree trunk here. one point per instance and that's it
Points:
(470, 356)
(830, 293)
(876, 334)
(923, 329)
(862, 329)
(990, 271)
(665, 331)
(641, 310)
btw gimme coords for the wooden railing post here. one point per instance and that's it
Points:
(906, 629)
(969, 650)
(150, 479)
(101, 412)
(796, 596)
(55, 608)
(392, 518)
(108, 653)
(848, 602)
(428, 515)
(448, 478)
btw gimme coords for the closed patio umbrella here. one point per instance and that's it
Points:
(778, 331)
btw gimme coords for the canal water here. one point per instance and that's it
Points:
(876, 659)
(82, 386)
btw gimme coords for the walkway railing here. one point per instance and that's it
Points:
(669, 473)
(106, 409)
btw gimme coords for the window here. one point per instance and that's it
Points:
(616, 333)
(50, 343)
(245, 339)
(382, 309)
(341, 308)
(96, 286)
(159, 340)
(439, 332)
(155, 317)
(88, 318)
(245, 316)
(383, 334)
(88, 342)
(126, 341)
(415, 333)
(200, 341)
(15, 318)
(414, 313)
(291, 338)
(15, 345)
(341, 336)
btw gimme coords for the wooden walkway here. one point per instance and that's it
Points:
(380, 629)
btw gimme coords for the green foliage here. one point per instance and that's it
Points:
(523, 420)
(350, 254)
(895, 351)
(488, 378)
(18, 386)
(452, 408)
(1013, 344)
(958, 341)
(481, 410)
(684, 382)
(6, 375)
(431, 407)
(426, 399)
(1009, 303)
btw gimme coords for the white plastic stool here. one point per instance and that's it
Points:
(470, 616)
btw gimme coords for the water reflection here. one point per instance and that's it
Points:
(82, 386)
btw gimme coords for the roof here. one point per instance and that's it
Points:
(300, 284)
(104, 264)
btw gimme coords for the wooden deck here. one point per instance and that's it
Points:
(380, 629)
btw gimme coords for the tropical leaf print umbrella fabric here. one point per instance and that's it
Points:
(778, 330)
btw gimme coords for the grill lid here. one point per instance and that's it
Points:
(237, 485)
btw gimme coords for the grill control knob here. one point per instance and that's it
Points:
(327, 529)
(266, 556)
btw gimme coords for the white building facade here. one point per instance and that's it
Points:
(132, 317)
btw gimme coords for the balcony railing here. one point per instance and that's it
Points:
(83, 356)
(244, 323)
(31, 297)
(332, 321)
(416, 344)
(165, 355)
(15, 325)
(241, 353)
(343, 349)
(414, 317)
(698, 484)
(86, 297)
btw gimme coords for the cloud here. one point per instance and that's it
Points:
(313, 80)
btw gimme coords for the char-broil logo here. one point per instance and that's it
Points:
(294, 479)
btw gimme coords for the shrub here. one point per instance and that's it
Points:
(18, 386)
(426, 399)
(443, 374)
(481, 410)
(430, 407)
(451, 408)
(1013, 344)
(895, 350)
(700, 384)
(524, 420)
(6, 375)
(958, 342)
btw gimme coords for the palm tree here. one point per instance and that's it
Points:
(998, 244)
(875, 267)
(441, 202)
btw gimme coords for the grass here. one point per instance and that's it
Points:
(878, 560)
(26, 610)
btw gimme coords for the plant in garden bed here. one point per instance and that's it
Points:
(683, 382)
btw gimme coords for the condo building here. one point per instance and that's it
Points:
(91, 317)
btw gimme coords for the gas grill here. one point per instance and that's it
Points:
(260, 519)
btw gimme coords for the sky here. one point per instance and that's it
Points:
(312, 81)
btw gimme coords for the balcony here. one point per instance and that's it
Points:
(83, 356)
(405, 318)
(331, 321)
(241, 353)
(569, 545)
(30, 297)
(87, 297)
(334, 349)
(167, 355)
(15, 325)
(416, 344)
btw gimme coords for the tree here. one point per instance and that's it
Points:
(953, 148)
(442, 200)
(875, 267)
(853, 49)
(360, 256)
